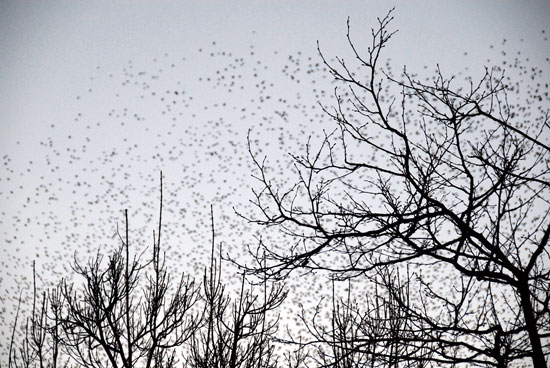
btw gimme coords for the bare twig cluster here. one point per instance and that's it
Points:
(439, 197)
(119, 315)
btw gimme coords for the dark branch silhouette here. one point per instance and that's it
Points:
(421, 184)
(236, 333)
(122, 311)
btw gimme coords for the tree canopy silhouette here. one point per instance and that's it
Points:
(429, 199)
(127, 311)
(437, 193)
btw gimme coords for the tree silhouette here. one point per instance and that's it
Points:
(437, 192)
(113, 316)
(235, 333)
(429, 199)
(40, 344)
(116, 314)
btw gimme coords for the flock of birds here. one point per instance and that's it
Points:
(63, 194)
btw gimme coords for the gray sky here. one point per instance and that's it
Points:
(98, 97)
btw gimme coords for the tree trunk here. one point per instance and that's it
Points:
(531, 326)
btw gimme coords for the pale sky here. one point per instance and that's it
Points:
(98, 97)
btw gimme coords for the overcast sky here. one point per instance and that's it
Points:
(97, 97)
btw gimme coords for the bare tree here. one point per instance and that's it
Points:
(116, 315)
(108, 323)
(376, 332)
(236, 332)
(438, 192)
(113, 316)
(40, 344)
